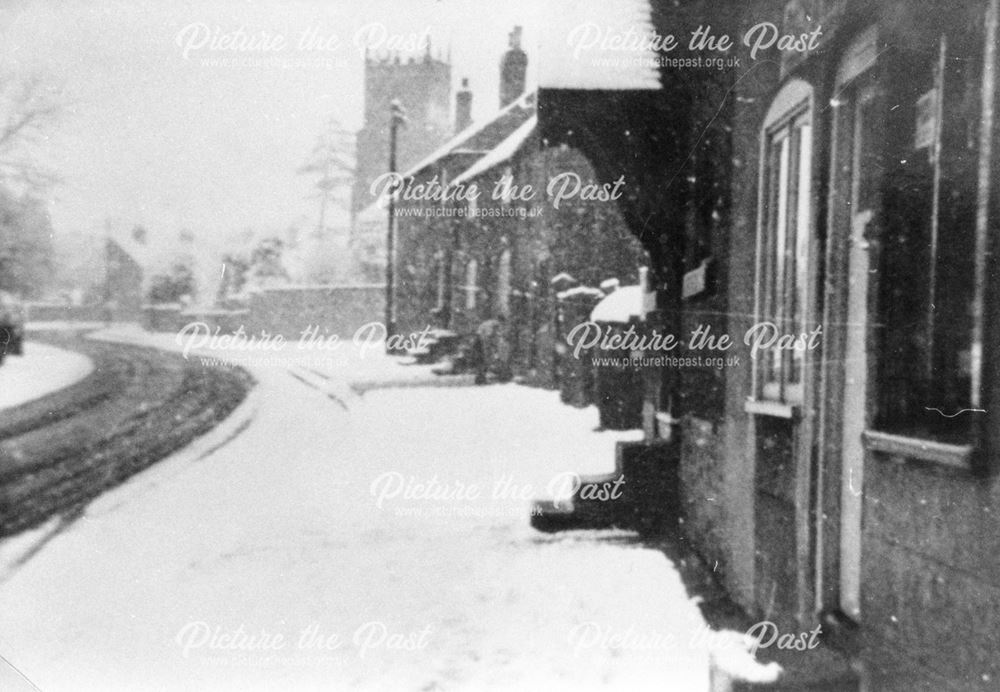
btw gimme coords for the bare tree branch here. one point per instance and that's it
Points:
(28, 110)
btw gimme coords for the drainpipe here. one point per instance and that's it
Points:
(986, 133)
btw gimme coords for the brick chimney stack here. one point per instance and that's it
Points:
(463, 106)
(513, 68)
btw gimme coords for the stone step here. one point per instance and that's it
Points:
(823, 669)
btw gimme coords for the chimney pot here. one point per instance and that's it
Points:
(513, 69)
(463, 106)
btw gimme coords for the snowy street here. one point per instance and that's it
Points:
(526, 345)
(323, 538)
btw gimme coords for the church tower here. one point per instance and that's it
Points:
(423, 87)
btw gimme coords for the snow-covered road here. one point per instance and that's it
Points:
(331, 540)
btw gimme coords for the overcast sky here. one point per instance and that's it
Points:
(163, 136)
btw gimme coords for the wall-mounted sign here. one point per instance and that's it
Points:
(696, 280)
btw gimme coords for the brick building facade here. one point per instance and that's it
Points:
(463, 261)
(849, 186)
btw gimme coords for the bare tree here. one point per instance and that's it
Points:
(29, 107)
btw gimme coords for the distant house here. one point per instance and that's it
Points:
(426, 227)
(123, 285)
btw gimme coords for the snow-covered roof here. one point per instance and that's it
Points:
(585, 291)
(620, 306)
(138, 253)
(122, 235)
(501, 152)
(596, 44)
(477, 138)
(562, 277)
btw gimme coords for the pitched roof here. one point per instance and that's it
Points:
(122, 236)
(479, 139)
(488, 143)
(502, 152)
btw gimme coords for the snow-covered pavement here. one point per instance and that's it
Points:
(42, 370)
(326, 539)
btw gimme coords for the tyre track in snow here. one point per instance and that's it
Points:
(138, 406)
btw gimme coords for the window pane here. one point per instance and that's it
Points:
(784, 251)
(802, 224)
(925, 321)
(780, 243)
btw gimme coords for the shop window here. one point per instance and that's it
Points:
(926, 317)
(783, 241)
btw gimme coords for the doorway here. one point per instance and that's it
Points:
(854, 202)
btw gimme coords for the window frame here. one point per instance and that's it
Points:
(789, 122)
(882, 435)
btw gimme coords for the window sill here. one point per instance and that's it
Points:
(956, 456)
(775, 409)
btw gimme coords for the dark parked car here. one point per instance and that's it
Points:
(11, 326)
